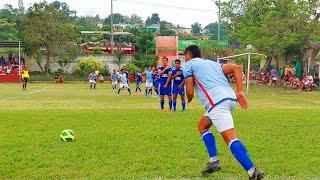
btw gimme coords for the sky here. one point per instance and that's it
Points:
(179, 12)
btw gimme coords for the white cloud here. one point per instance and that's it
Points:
(183, 12)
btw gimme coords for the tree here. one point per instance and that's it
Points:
(119, 55)
(21, 7)
(196, 28)
(66, 54)
(154, 19)
(134, 20)
(212, 30)
(145, 41)
(132, 68)
(87, 65)
(45, 27)
(117, 19)
(165, 29)
(8, 23)
(87, 23)
(64, 7)
(145, 60)
(274, 26)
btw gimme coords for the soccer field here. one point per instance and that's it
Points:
(127, 137)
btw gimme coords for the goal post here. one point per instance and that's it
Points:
(249, 54)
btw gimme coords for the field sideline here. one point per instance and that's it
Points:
(126, 137)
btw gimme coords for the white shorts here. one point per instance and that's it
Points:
(92, 81)
(221, 116)
(149, 84)
(114, 82)
(124, 85)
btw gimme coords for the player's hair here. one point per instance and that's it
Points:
(177, 60)
(121, 69)
(164, 57)
(194, 51)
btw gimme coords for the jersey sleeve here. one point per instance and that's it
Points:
(187, 71)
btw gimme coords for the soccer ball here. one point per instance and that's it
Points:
(67, 135)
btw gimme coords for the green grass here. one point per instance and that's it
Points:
(126, 137)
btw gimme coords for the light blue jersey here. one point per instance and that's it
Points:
(211, 84)
(149, 78)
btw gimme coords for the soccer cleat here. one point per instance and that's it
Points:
(211, 167)
(257, 175)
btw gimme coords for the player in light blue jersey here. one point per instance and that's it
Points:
(215, 93)
(149, 81)
(165, 73)
(178, 86)
(92, 80)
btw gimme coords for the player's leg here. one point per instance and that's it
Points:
(26, 83)
(128, 87)
(94, 85)
(121, 86)
(162, 92)
(240, 153)
(169, 94)
(146, 93)
(156, 88)
(23, 83)
(113, 86)
(222, 119)
(183, 101)
(174, 102)
(204, 125)
(174, 97)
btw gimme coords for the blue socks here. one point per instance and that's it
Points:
(240, 153)
(162, 104)
(174, 103)
(210, 143)
(183, 105)
(237, 148)
(170, 104)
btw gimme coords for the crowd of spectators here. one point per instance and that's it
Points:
(291, 80)
(287, 77)
(9, 65)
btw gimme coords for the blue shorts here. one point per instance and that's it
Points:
(176, 90)
(165, 91)
(156, 84)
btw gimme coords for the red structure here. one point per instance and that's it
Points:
(122, 42)
(10, 78)
(167, 46)
(127, 50)
(13, 75)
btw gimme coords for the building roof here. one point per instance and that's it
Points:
(104, 32)
(10, 44)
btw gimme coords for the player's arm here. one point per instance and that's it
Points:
(177, 74)
(181, 84)
(237, 70)
(168, 80)
(163, 71)
(189, 88)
